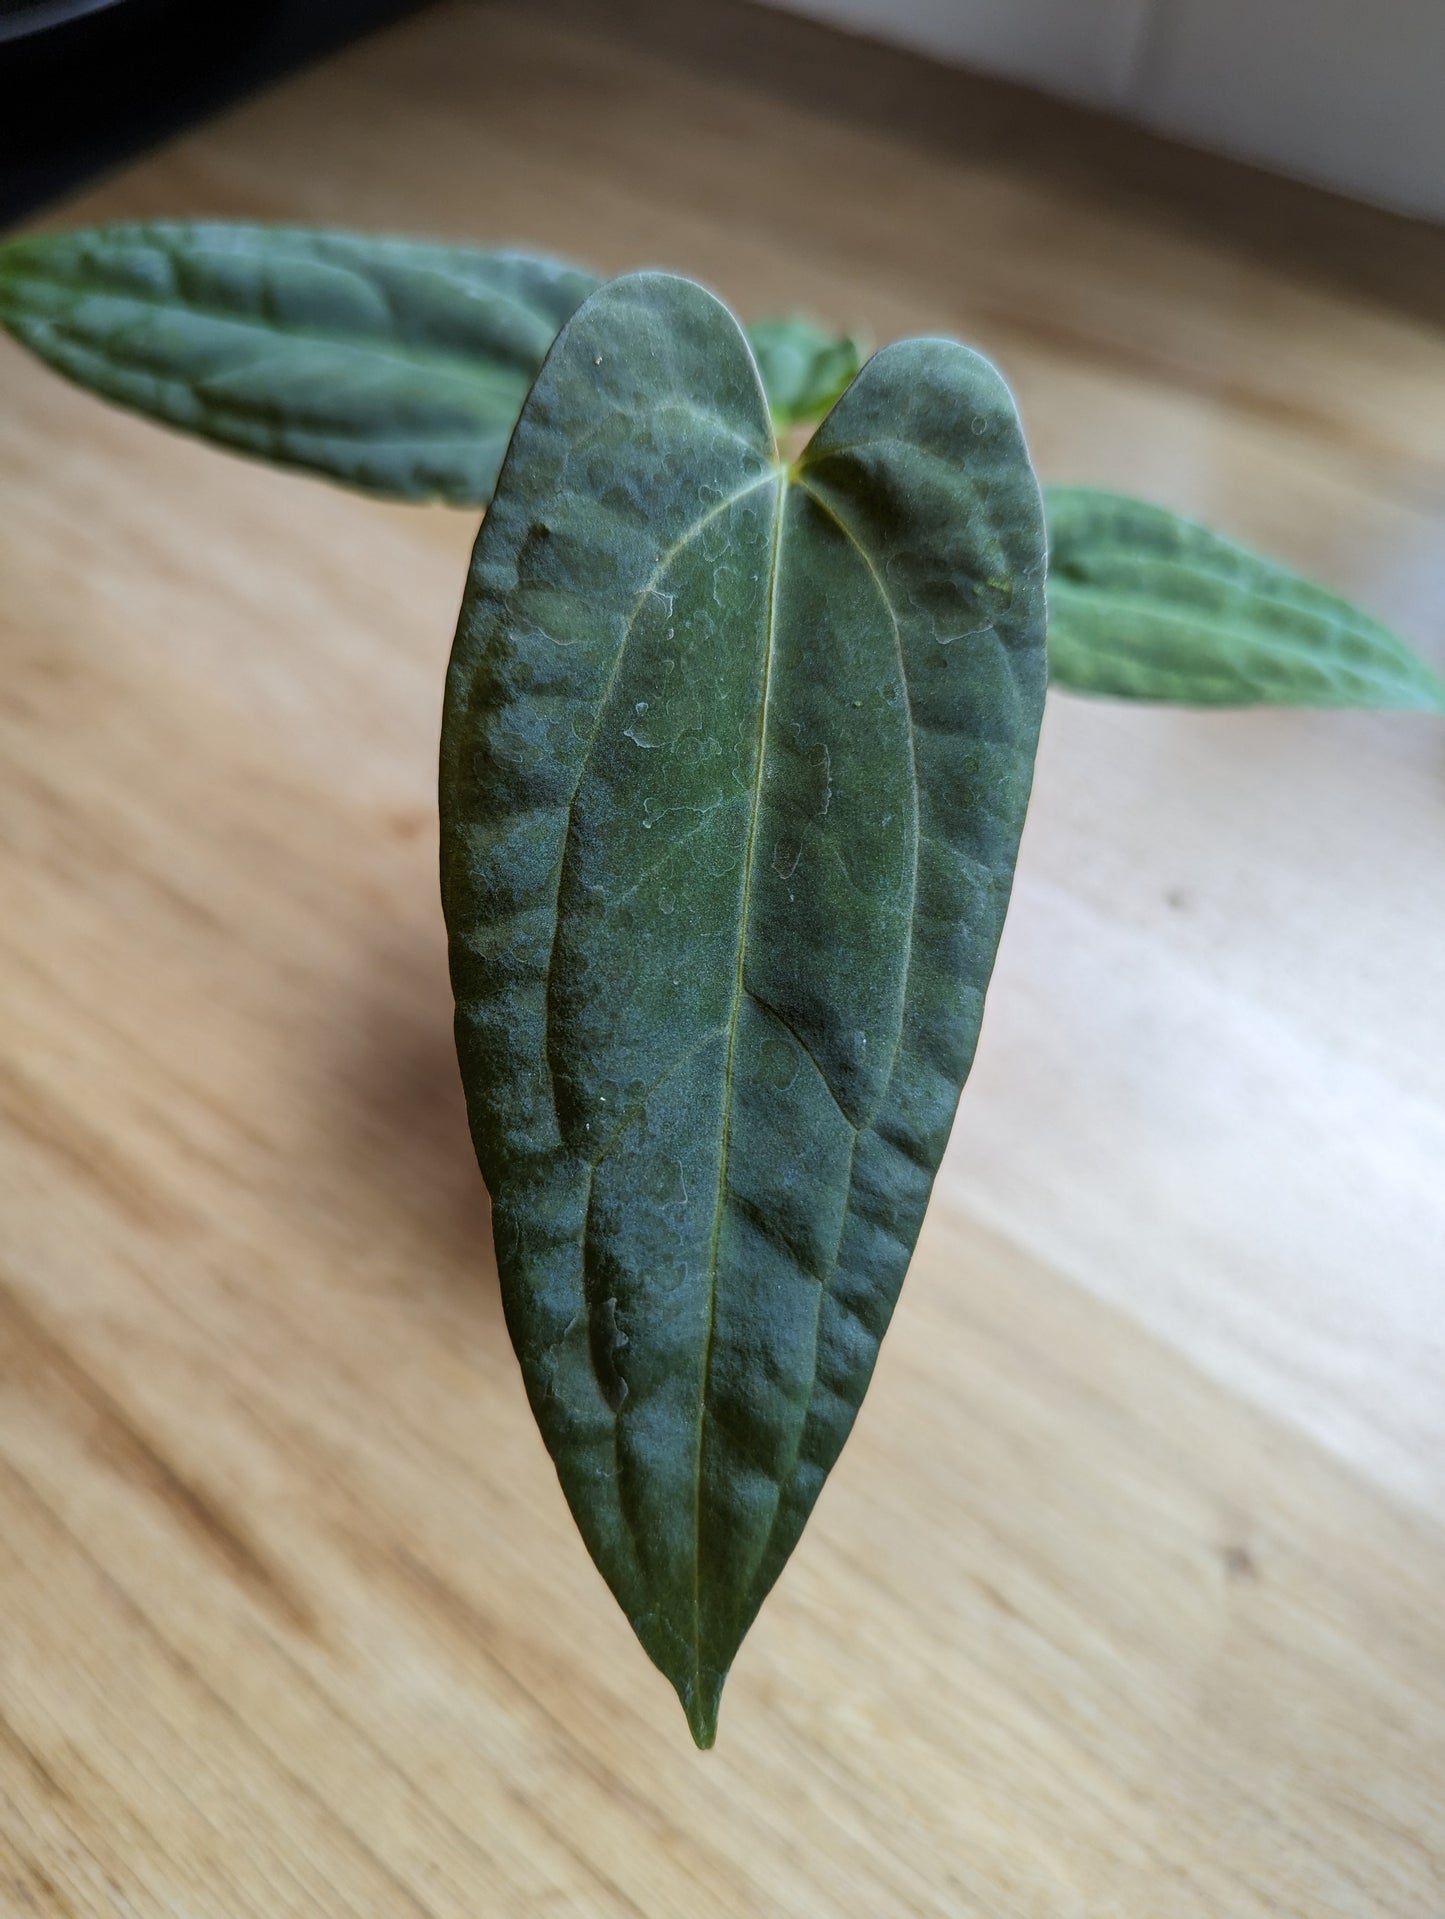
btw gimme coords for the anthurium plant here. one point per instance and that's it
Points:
(738, 736)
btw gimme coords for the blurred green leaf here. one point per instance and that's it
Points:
(805, 369)
(1146, 605)
(392, 365)
(397, 366)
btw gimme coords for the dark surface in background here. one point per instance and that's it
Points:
(78, 99)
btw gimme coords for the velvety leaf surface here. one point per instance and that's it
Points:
(1146, 605)
(392, 365)
(734, 764)
(805, 369)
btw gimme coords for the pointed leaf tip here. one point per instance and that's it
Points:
(701, 1703)
(734, 765)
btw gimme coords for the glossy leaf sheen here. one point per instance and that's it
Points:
(393, 365)
(734, 764)
(1144, 604)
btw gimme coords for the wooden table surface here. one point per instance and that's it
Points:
(1128, 1597)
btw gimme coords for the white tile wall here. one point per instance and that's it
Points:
(1347, 92)
(1084, 49)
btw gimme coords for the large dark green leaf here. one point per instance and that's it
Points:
(392, 365)
(734, 764)
(1146, 605)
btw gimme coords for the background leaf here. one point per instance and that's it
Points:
(396, 366)
(1146, 605)
(735, 759)
(393, 365)
(805, 369)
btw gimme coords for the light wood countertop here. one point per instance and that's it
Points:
(1127, 1599)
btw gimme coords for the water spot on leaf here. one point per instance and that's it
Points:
(663, 1181)
(636, 730)
(778, 1063)
(822, 760)
(786, 855)
(667, 1279)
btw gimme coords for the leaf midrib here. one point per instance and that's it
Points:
(759, 774)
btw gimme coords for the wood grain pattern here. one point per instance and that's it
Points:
(1125, 1599)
